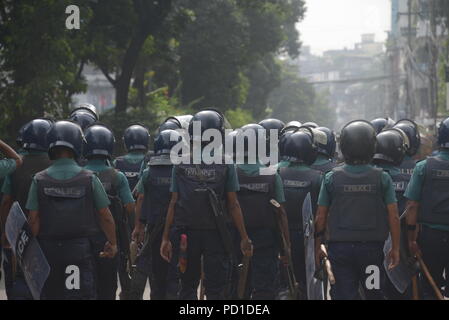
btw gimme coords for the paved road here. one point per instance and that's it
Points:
(3, 292)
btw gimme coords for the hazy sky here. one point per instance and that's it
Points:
(335, 24)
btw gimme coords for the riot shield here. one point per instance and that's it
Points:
(27, 250)
(401, 276)
(315, 288)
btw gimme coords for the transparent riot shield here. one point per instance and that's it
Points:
(27, 251)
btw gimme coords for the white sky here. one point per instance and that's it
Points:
(336, 24)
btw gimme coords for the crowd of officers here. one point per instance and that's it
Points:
(228, 231)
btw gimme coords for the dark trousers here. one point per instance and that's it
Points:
(163, 276)
(351, 264)
(206, 244)
(434, 246)
(264, 263)
(105, 270)
(15, 285)
(61, 255)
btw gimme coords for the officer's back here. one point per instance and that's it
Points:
(65, 202)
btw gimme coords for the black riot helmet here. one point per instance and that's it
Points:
(87, 108)
(256, 129)
(272, 124)
(99, 142)
(65, 134)
(443, 134)
(310, 124)
(165, 141)
(391, 147)
(176, 122)
(19, 139)
(327, 149)
(171, 123)
(34, 135)
(83, 118)
(299, 147)
(291, 126)
(380, 124)
(136, 138)
(410, 128)
(358, 142)
(207, 119)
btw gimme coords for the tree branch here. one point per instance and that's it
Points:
(108, 76)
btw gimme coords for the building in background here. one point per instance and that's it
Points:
(413, 50)
(355, 78)
(99, 90)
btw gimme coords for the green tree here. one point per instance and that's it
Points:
(39, 60)
(117, 33)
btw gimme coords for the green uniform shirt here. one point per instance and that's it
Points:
(321, 160)
(140, 185)
(7, 183)
(232, 182)
(64, 169)
(133, 157)
(124, 192)
(283, 164)
(414, 188)
(254, 169)
(7, 166)
(389, 194)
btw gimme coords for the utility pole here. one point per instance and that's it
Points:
(433, 63)
(408, 100)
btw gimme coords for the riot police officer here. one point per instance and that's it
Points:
(390, 151)
(152, 203)
(262, 221)
(199, 191)
(326, 152)
(136, 139)
(98, 150)
(428, 198)
(356, 210)
(299, 179)
(66, 206)
(16, 187)
(289, 128)
(411, 129)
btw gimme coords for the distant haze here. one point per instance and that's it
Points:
(336, 24)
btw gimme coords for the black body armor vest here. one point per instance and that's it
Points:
(297, 184)
(21, 178)
(66, 207)
(130, 170)
(434, 206)
(254, 198)
(157, 193)
(193, 208)
(358, 211)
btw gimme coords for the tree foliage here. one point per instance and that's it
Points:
(162, 57)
